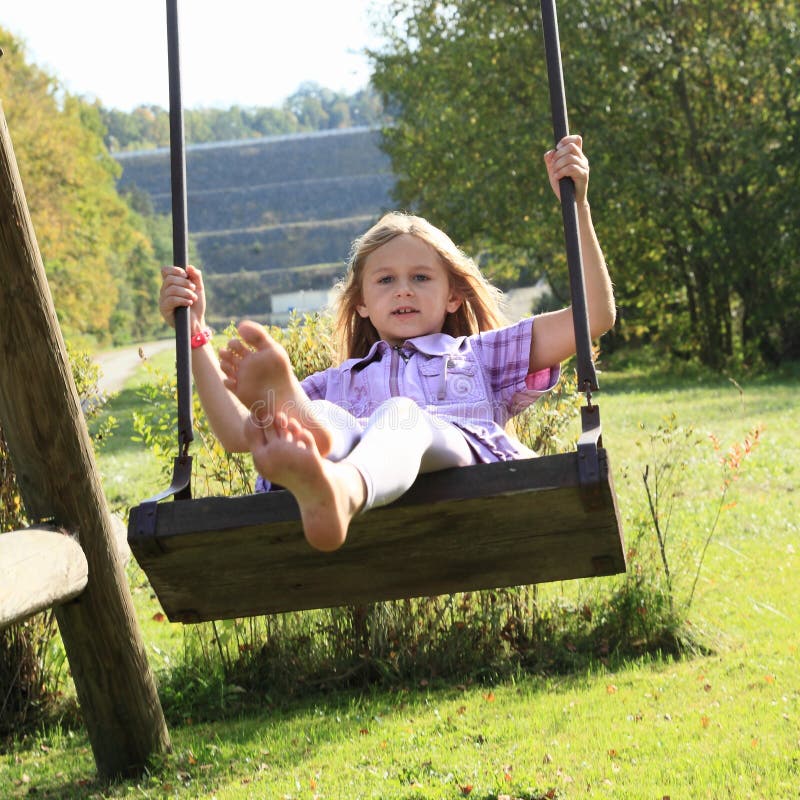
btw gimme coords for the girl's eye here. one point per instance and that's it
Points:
(385, 279)
(421, 277)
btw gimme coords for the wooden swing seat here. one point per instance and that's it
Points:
(480, 527)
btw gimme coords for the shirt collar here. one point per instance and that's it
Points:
(434, 344)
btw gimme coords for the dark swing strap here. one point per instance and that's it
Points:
(591, 432)
(180, 487)
(587, 378)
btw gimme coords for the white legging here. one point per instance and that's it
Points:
(400, 441)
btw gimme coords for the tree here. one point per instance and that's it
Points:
(690, 116)
(311, 107)
(93, 248)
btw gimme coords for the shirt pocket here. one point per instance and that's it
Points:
(451, 379)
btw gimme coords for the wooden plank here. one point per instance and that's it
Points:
(474, 528)
(58, 480)
(39, 568)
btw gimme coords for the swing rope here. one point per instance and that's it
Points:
(591, 432)
(587, 376)
(180, 487)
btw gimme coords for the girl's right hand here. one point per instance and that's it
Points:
(181, 287)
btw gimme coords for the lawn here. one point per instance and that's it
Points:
(724, 723)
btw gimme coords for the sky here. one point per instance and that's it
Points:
(236, 52)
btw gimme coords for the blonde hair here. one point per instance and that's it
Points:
(480, 307)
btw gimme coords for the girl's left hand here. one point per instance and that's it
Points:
(568, 161)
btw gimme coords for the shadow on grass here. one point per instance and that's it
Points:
(209, 755)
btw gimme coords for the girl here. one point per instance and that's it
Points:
(429, 378)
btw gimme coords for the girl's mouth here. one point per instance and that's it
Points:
(399, 312)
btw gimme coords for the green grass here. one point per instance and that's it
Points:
(721, 725)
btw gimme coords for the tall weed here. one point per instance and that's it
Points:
(673, 533)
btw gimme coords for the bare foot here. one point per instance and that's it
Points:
(259, 373)
(329, 494)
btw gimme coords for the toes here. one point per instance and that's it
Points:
(236, 349)
(280, 422)
(306, 439)
(298, 434)
(254, 334)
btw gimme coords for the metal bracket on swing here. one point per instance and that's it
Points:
(147, 511)
(589, 442)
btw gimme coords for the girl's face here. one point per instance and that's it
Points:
(405, 290)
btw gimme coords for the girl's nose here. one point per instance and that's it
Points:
(404, 288)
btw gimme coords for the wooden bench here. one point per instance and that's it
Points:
(39, 568)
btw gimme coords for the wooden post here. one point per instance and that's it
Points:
(53, 459)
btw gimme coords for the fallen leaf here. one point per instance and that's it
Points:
(465, 790)
(611, 689)
(489, 698)
(612, 753)
(159, 617)
(705, 721)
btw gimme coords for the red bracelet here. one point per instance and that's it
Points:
(201, 338)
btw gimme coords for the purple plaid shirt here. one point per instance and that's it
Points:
(476, 382)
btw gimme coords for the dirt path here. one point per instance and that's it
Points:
(121, 363)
